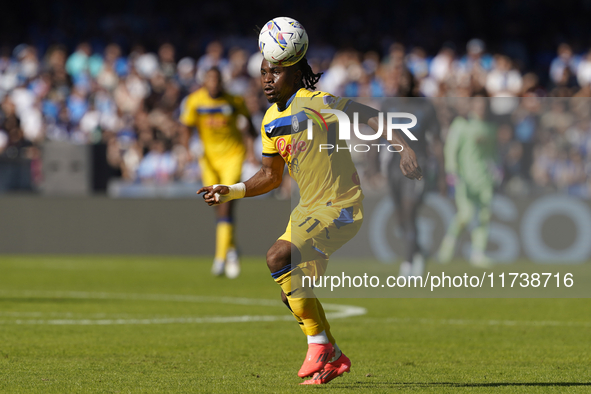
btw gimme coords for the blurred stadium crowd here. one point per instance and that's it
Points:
(130, 101)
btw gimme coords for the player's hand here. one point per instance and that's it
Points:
(451, 179)
(211, 195)
(409, 166)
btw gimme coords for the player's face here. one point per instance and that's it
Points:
(213, 83)
(279, 83)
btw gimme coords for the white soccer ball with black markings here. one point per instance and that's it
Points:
(283, 41)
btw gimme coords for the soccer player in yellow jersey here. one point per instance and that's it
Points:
(330, 211)
(213, 112)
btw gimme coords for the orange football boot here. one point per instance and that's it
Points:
(331, 371)
(317, 357)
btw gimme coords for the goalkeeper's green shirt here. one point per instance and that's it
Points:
(470, 151)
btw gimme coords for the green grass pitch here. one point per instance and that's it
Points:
(164, 325)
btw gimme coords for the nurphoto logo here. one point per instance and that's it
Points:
(345, 129)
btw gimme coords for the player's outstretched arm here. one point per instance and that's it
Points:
(408, 160)
(269, 177)
(266, 179)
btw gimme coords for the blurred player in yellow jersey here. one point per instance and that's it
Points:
(330, 209)
(214, 113)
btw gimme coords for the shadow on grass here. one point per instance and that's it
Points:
(357, 385)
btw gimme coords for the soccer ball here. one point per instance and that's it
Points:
(283, 41)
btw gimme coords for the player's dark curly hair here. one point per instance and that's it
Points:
(309, 79)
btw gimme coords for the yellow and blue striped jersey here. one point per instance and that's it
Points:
(324, 176)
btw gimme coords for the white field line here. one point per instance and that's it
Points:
(468, 322)
(334, 311)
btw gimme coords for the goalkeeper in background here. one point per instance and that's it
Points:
(470, 150)
(214, 114)
(469, 157)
